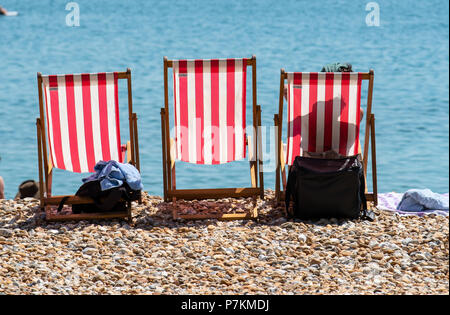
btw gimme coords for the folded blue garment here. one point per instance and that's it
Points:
(113, 174)
(422, 199)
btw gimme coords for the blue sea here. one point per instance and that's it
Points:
(408, 50)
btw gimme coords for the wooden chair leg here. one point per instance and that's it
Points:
(260, 156)
(164, 158)
(174, 177)
(136, 143)
(277, 161)
(40, 161)
(252, 173)
(49, 182)
(283, 176)
(252, 161)
(374, 161)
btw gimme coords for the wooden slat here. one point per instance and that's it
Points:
(122, 75)
(368, 120)
(86, 216)
(249, 62)
(222, 217)
(130, 116)
(191, 194)
(72, 200)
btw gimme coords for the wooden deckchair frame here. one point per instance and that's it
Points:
(369, 136)
(46, 167)
(171, 193)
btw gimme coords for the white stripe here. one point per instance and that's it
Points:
(290, 118)
(207, 147)
(46, 83)
(64, 123)
(223, 110)
(336, 111)
(320, 111)
(95, 118)
(239, 103)
(305, 113)
(111, 111)
(177, 109)
(352, 112)
(78, 96)
(192, 121)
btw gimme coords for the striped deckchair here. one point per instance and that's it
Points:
(210, 126)
(323, 114)
(78, 127)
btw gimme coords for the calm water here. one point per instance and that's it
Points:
(408, 51)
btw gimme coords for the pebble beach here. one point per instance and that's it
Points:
(158, 255)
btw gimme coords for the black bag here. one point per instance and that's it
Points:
(110, 200)
(327, 188)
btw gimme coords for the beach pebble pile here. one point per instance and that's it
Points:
(158, 255)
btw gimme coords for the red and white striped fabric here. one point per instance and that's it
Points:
(323, 113)
(209, 101)
(82, 120)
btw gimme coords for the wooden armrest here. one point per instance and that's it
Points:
(72, 200)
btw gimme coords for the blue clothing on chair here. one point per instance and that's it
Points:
(422, 199)
(113, 174)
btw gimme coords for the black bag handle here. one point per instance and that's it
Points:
(61, 203)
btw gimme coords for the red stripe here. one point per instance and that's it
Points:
(244, 102)
(297, 118)
(103, 110)
(56, 123)
(288, 145)
(48, 127)
(215, 111)
(231, 141)
(88, 135)
(200, 123)
(72, 122)
(328, 125)
(184, 111)
(313, 77)
(358, 117)
(116, 105)
(344, 123)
